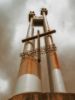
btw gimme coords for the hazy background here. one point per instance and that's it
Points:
(13, 28)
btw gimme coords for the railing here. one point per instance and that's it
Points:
(45, 96)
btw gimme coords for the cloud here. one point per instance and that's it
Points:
(10, 15)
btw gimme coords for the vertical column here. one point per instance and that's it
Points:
(28, 80)
(58, 84)
(56, 73)
(46, 29)
(29, 45)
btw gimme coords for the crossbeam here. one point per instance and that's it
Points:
(40, 35)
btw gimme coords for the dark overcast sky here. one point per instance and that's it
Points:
(13, 28)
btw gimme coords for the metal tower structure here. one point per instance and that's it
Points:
(29, 85)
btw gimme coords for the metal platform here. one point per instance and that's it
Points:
(38, 21)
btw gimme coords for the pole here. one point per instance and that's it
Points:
(45, 26)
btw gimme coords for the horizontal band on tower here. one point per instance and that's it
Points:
(28, 83)
(58, 81)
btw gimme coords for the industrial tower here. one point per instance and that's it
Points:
(29, 85)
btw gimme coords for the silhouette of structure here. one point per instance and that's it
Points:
(29, 85)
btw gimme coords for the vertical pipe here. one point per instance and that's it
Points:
(39, 54)
(56, 81)
(56, 73)
(38, 46)
(29, 44)
(47, 54)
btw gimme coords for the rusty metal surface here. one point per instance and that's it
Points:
(45, 96)
(29, 65)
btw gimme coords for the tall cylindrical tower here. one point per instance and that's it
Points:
(29, 85)
(58, 84)
(29, 79)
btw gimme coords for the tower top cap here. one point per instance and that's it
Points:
(44, 10)
(31, 14)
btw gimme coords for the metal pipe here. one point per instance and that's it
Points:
(56, 80)
(39, 47)
(47, 55)
(39, 54)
